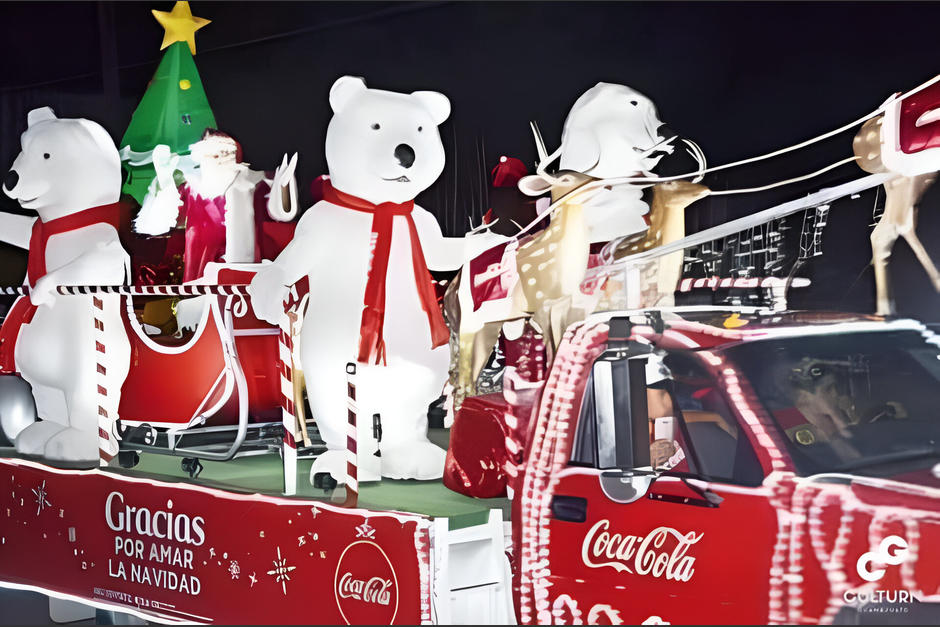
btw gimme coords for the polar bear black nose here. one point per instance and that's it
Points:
(12, 178)
(405, 155)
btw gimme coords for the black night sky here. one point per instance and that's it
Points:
(740, 79)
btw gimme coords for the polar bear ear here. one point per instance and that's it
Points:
(101, 138)
(436, 103)
(343, 90)
(39, 115)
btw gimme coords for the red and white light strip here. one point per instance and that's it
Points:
(715, 283)
(581, 344)
(423, 549)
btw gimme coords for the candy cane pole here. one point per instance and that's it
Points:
(352, 451)
(107, 415)
(288, 418)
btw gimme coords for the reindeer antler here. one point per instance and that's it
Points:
(545, 159)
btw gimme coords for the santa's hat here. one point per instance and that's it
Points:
(508, 172)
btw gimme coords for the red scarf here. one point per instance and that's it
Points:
(23, 310)
(371, 337)
(42, 231)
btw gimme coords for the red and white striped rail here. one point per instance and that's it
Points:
(138, 290)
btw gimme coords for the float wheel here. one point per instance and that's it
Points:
(324, 481)
(128, 459)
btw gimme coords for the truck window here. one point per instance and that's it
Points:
(862, 402)
(705, 434)
(690, 428)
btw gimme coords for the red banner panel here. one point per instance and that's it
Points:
(179, 552)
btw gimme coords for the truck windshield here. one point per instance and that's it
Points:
(849, 401)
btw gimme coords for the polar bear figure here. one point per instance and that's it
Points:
(69, 173)
(369, 282)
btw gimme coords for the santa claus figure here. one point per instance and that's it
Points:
(223, 207)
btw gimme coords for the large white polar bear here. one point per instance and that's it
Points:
(68, 172)
(366, 249)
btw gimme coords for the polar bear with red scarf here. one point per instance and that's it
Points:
(366, 249)
(69, 173)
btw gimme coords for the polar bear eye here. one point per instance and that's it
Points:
(376, 127)
(420, 128)
(46, 155)
(634, 102)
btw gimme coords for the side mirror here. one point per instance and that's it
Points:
(626, 486)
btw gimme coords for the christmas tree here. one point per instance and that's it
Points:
(174, 110)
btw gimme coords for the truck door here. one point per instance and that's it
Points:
(690, 541)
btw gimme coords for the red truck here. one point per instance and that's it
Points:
(702, 465)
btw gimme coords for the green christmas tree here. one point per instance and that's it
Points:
(174, 110)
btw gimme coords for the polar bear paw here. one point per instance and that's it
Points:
(73, 445)
(32, 439)
(268, 292)
(333, 463)
(413, 460)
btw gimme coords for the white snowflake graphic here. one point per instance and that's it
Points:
(281, 571)
(234, 569)
(365, 530)
(41, 501)
(301, 540)
(314, 511)
(253, 579)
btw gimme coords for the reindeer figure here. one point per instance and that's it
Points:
(610, 135)
(667, 224)
(548, 267)
(551, 265)
(902, 195)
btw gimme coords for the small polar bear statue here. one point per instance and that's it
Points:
(367, 249)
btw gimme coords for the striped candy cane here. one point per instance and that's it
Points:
(107, 444)
(352, 459)
(288, 417)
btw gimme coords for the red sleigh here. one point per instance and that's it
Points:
(214, 395)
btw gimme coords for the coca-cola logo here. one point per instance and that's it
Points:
(375, 590)
(662, 553)
(365, 585)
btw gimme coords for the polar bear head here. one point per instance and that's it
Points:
(609, 132)
(384, 146)
(65, 165)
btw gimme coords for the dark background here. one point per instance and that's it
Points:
(740, 78)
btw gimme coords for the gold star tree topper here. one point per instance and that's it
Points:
(179, 25)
